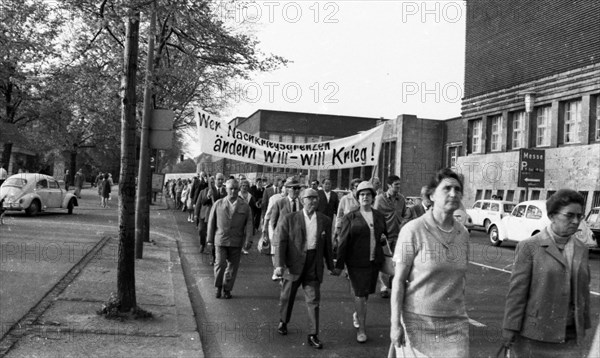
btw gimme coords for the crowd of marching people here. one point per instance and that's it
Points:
(383, 246)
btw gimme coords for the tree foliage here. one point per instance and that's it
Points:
(67, 82)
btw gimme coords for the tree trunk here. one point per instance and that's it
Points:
(6, 153)
(126, 265)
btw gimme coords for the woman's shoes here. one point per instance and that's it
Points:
(355, 320)
(361, 337)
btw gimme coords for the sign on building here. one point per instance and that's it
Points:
(532, 165)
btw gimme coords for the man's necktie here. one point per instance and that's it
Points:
(294, 206)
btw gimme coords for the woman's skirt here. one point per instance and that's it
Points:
(363, 279)
(436, 336)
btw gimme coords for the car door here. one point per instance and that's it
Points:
(515, 221)
(54, 194)
(42, 190)
(494, 212)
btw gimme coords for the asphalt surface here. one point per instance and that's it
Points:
(36, 252)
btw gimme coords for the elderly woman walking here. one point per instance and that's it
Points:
(361, 251)
(548, 302)
(428, 312)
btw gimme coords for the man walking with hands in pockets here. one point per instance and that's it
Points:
(302, 242)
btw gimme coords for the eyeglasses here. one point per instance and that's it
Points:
(295, 187)
(571, 216)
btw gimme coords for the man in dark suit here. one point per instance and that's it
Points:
(286, 205)
(302, 242)
(214, 193)
(328, 200)
(257, 192)
(229, 229)
(423, 205)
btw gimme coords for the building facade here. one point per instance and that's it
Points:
(532, 81)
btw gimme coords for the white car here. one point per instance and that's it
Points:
(485, 211)
(527, 219)
(33, 193)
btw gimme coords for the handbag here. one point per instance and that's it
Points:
(264, 245)
(388, 266)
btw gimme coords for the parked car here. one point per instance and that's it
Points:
(593, 222)
(484, 212)
(526, 219)
(34, 193)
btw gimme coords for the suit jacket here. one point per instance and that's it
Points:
(280, 209)
(417, 210)
(326, 207)
(229, 229)
(203, 205)
(354, 248)
(537, 302)
(290, 245)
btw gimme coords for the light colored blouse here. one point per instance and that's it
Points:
(437, 265)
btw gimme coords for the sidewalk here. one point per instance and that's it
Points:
(65, 323)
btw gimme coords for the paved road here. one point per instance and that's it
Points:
(36, 252)
(246, 325)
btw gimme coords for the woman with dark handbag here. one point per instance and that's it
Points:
(428, 309)
(360, 249)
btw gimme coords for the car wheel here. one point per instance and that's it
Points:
(486, 224)
(70, 206)
(494, 236)
(34, 208)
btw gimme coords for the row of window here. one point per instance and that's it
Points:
(570, 124)
(519, 195)
(293, 138)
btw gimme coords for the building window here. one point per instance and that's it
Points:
(549, 193)
(488, 194)
(500, 194)
(476, 136)
(596, 199)
(522, 197)
(585, 197)
(535, 195)
(542, 136)
(274, 137)
(572, 121)
(453, 153)
(496, 142)
(518, 130)
(286, 138)
(299, 139)
(598, 117)
(510, 195)
(478, 194)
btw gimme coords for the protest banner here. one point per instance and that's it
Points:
(218, 138)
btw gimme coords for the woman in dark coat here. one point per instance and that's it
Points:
(360, 249)
(105, 190)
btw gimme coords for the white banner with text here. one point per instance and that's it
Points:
(218, 138)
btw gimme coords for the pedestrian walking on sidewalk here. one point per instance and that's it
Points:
(360, 249)
(548, 302)
(106, 188)
(201, 214)
(78, 182)
(229, 230)
(428, 312)
(302, 242)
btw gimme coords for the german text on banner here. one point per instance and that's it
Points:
(218, 138)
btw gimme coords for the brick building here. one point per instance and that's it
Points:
(532, 80)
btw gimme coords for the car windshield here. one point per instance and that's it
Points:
(508, 208)
(16, 182)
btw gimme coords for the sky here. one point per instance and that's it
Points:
(356, 58)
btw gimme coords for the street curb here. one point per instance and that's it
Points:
(190, 343)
